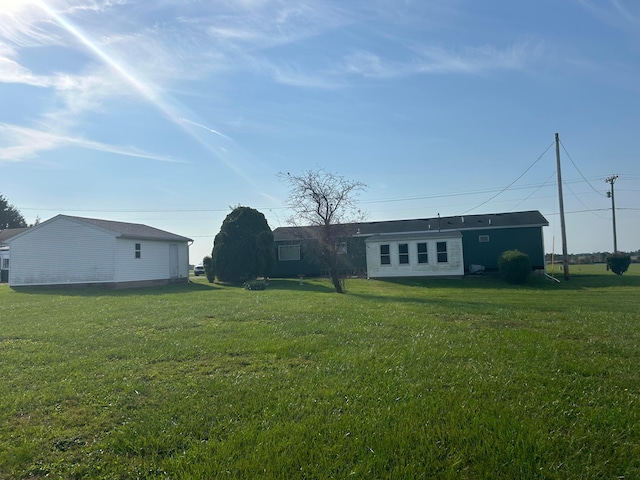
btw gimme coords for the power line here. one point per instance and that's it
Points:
(532, 193)
(508, 186)
(499, 191)
(578, 170)
(536, 186)
(583, 204)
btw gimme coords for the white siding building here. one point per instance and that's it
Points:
(419, 254)
(4, 264)
(5, 255)
(68, 250)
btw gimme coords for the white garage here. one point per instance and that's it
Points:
(67, 250)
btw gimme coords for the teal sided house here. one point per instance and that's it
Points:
(439, 246)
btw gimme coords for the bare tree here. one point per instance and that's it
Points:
(326, 202)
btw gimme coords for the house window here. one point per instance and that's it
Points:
(138, 250)
(441, 249)
(483, 238)
(5, 264)
(403, 253)
(422, 253)
(288, 253)
(341, 248)
(385, 255)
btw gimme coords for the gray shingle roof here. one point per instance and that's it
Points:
(413, 236)
(7, 233)
(532, 218)
(130, 230)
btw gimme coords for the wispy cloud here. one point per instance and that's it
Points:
(368, 64)
(260, 25)
(298, 75)
(439, 60)
(476, 59)
(623, 14)
(200, 41)
(12, 72)
(628, 10)
(27, 143)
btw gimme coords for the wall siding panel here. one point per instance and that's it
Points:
(153, 263)
(62, 252)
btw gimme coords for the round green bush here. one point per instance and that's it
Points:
(618, 262)
(514, 266)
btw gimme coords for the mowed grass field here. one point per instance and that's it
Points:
(447, 379)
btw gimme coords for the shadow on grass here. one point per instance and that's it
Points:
(101, 291)
(489, 281)
(537, 281)
(308, 285)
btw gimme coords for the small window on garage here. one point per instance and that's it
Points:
(138, 250)
(483, 238)
(5, 264)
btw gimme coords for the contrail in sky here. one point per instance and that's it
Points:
(206, 128)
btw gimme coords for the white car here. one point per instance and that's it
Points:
(198, 270)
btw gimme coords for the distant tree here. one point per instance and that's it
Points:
(327, 202)
(243, 249)
(10, 216)
(618, 262)
(514, 266)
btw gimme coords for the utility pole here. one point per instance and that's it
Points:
(612, 180)
(565, 253)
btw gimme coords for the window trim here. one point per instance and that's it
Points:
(138, 251)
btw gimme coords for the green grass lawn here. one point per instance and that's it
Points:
(406, 379)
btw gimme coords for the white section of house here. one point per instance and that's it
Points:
(420, 254)
(72, 250)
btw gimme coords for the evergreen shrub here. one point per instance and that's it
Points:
(207, 263)
(514, 266)
(243, 249)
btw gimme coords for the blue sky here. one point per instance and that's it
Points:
(170, 112)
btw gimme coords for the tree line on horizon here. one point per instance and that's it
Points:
(589, 258)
